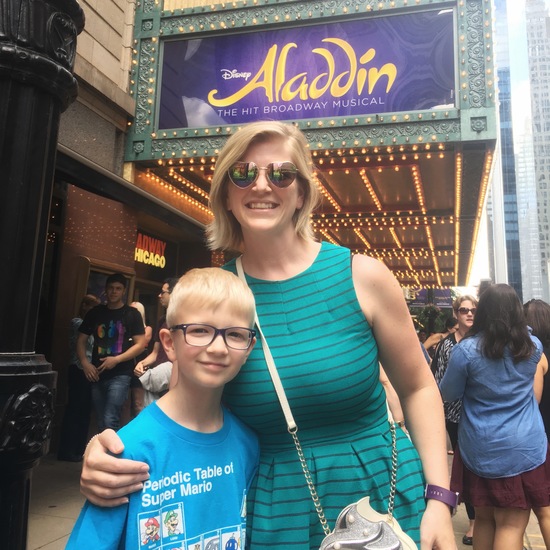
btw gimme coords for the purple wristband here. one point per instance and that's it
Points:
(443, 495)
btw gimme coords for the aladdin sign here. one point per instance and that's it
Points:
(397, 63)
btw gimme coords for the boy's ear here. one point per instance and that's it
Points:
(167, 342)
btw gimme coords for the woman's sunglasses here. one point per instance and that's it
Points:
(244, 174)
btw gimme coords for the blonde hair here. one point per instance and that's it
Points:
(140, 308)
(210, 287)
(225, 232)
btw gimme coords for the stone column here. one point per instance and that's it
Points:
(37, 54)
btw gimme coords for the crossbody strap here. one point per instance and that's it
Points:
(271, 363)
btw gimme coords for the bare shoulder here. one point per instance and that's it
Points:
(371, 274)
(382, 301)
(375, 285)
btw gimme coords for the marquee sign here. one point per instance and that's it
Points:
(155, 258)
(386, 64)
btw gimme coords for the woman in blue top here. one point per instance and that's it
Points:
(329, 319)
(500, 465)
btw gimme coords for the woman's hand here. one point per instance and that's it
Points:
(436, 529)
(107, 480)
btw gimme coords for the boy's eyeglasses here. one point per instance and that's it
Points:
(203, 335)
(244, 174)
(466, 310)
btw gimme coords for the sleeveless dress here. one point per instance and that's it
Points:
(327, 359)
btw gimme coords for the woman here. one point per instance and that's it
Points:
(537, 315)
(464, 308)
(499, 465)
(329, 318)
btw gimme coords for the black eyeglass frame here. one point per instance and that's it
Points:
(286, 165)
(217, 331)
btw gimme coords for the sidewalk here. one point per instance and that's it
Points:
(56, 502)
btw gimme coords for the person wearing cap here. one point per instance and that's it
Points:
(151, 531)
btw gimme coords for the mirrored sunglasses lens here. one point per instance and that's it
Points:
(243, 174)
(282, 174)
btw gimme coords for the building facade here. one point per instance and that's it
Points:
(538, 42)
(99, 222)
(506, 176)
(403, 181)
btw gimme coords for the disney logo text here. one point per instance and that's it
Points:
(228, 74)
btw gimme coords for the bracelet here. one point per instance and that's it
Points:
(401, 423)
(443, 495)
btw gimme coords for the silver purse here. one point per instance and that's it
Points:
(360, 527)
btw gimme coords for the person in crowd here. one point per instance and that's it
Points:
(155, 370)
(500, 463)
(329, 318)
(451, 326)
(422, 335)
(537, 315)
(202, 459)
(464, 309)
(393, 400)
(158, 354)
(119, 337)
(136, 389)
(76, 419)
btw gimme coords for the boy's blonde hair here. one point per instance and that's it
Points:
(225, 232)
(210, 287)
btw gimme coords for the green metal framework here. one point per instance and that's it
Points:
(474, 119)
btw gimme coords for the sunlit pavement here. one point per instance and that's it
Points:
(56, 502)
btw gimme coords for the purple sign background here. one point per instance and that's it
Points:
(441, 297)
(309, 72)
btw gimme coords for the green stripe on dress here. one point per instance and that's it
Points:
(327, 359)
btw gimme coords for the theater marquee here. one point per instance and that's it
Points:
(380, 65)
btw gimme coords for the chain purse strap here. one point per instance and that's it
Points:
(293, 428)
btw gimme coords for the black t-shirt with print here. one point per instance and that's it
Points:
(112, 330)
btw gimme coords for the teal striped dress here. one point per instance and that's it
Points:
(327, 359)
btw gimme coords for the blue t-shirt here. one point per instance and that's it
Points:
(195, 497)
(500, 433)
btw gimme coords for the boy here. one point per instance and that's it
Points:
(202, 459)
(119, 336)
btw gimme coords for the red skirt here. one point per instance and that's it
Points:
(527, 490)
